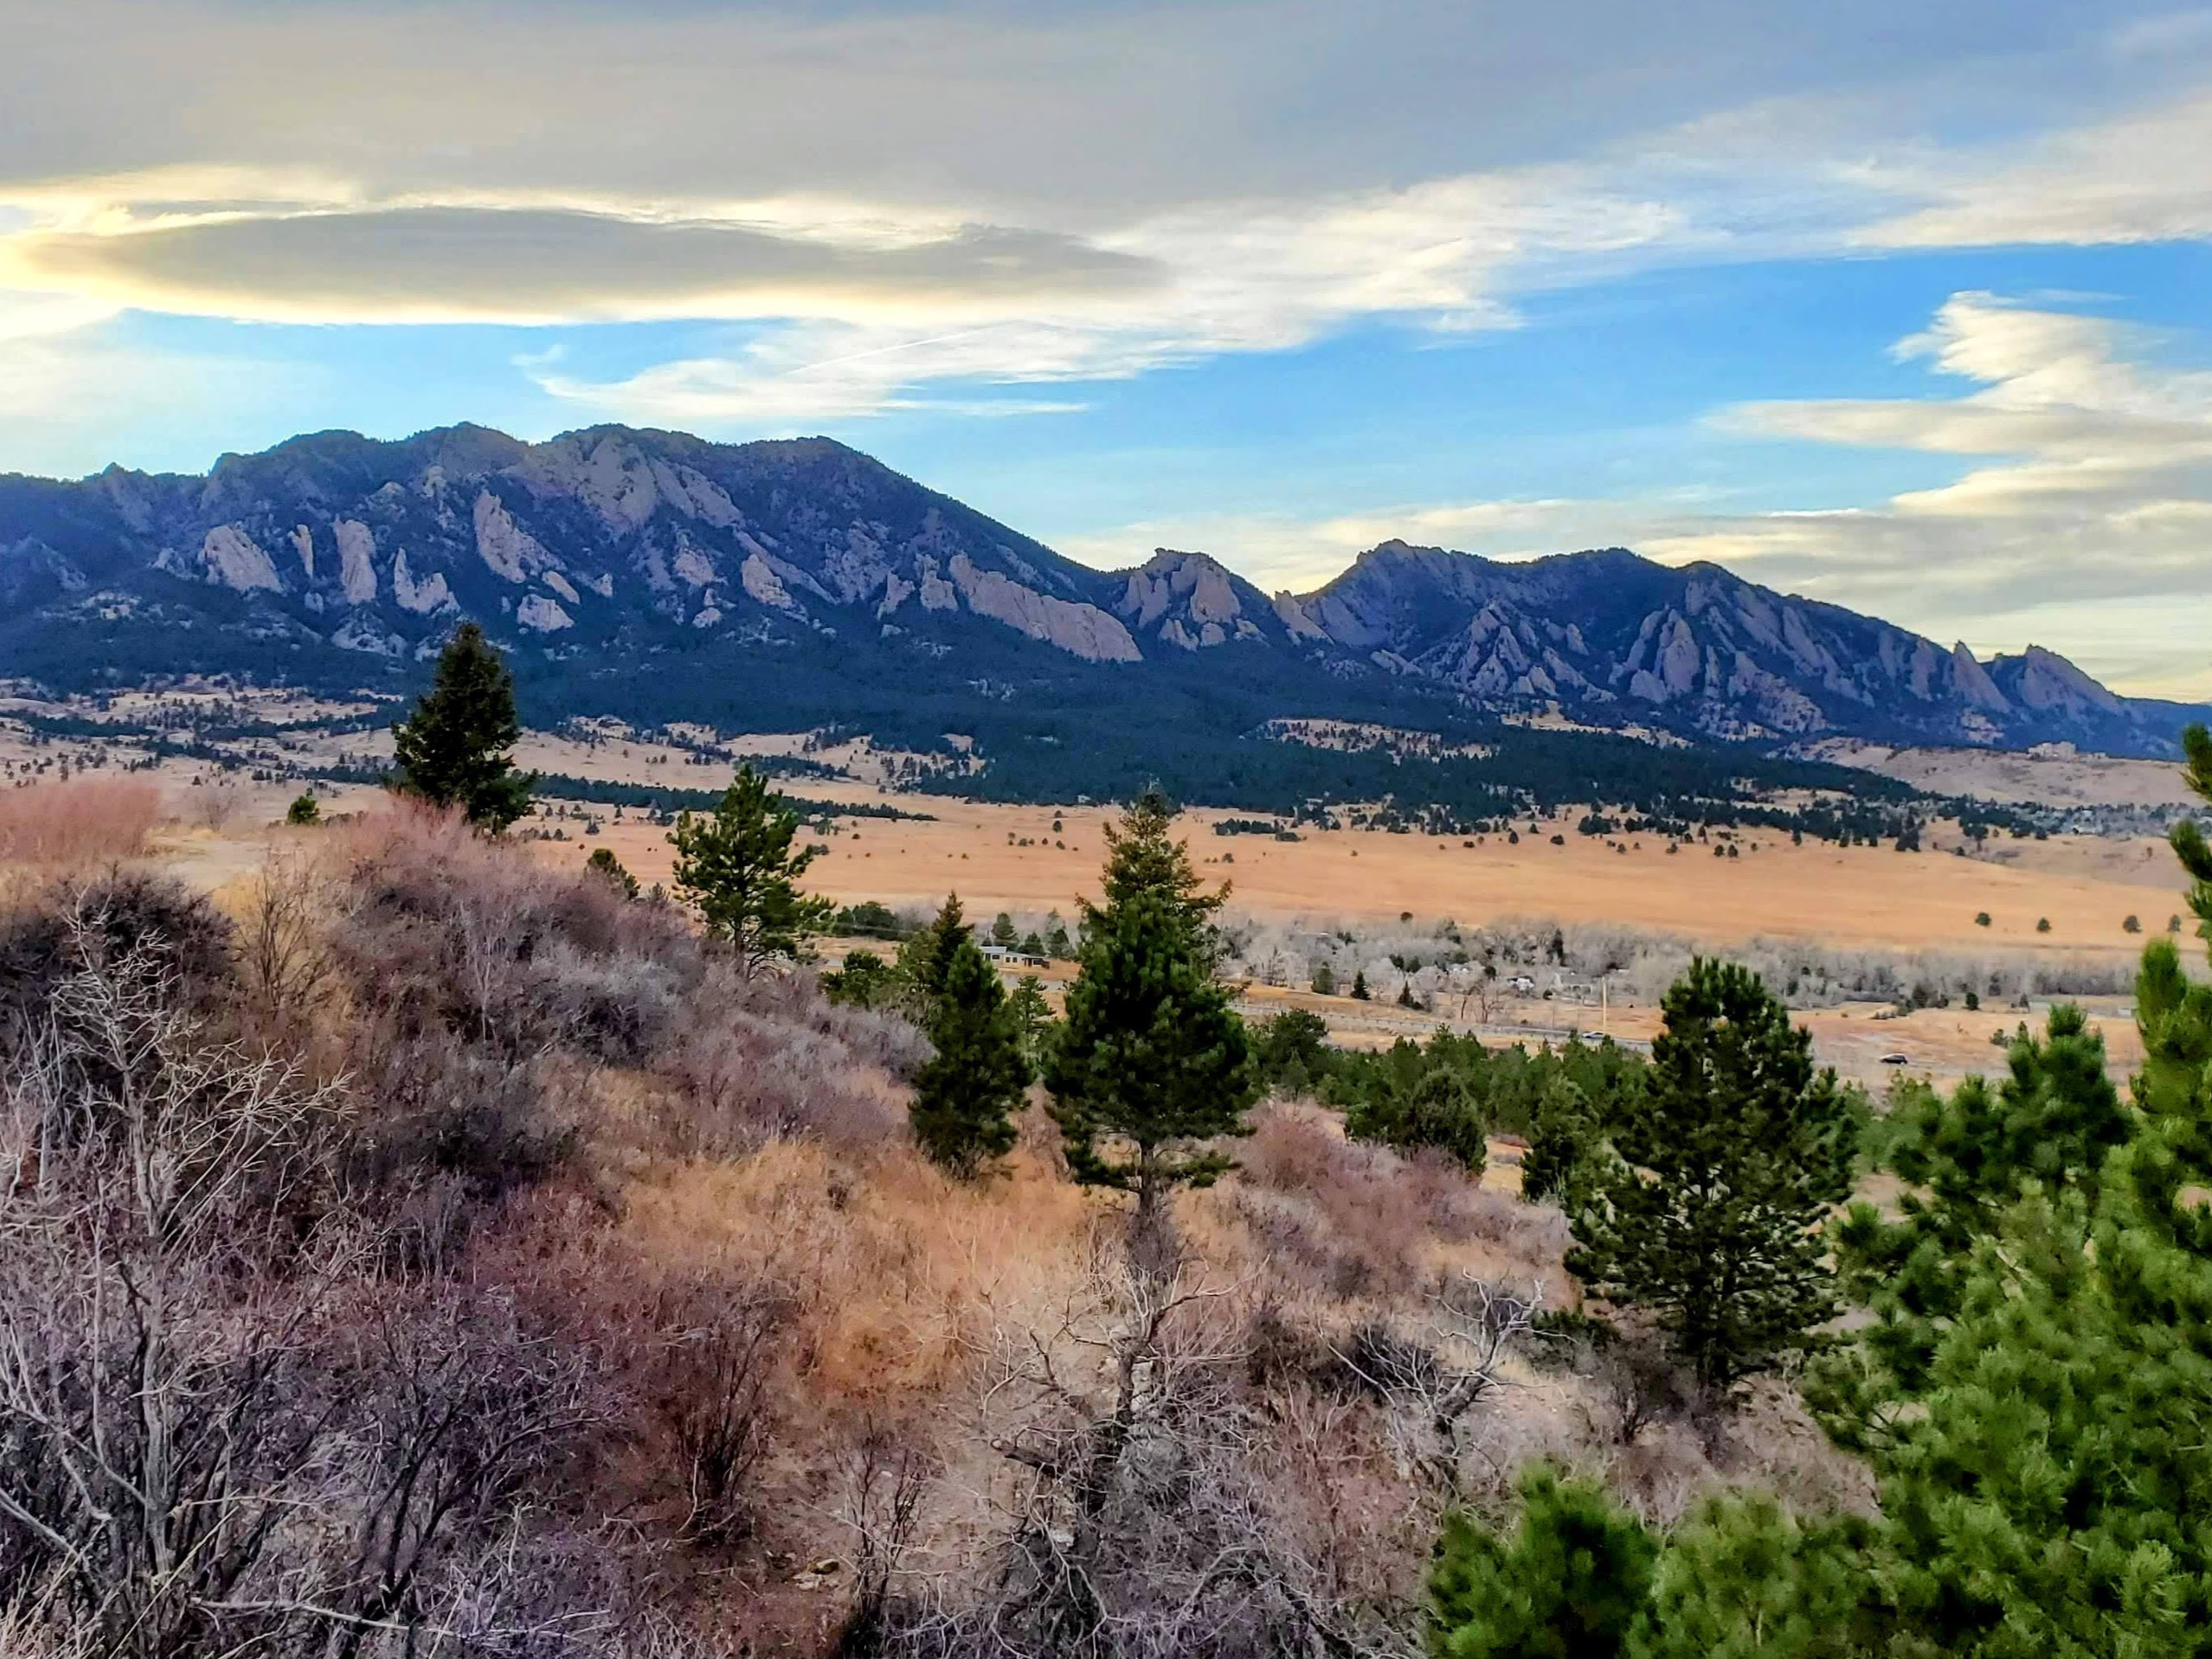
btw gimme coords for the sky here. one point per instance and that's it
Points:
(1905, 305)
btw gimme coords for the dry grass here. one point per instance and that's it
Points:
(83, 822)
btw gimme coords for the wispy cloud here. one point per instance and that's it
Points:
(2089, 526)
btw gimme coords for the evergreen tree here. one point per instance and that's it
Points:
(1033, 1022)
(1729, 1160)
(1324, 980)
(1142, 857)
(865, 980)
(738, 866)
(1151, 1057)
(1437, 1108)
(1743, 1579)
(1002, 931)
(1057, 944)
(603, 862)
(457, 748)
(304, 811)
(1562, 1136)
(1359, 985)
(965, 1096)
(1571, 1582)
(926, 958)
(2049, 1494)
(1964, 1161)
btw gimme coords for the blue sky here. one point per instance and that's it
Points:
(1902, 306)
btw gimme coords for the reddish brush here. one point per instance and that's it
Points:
(85, 820)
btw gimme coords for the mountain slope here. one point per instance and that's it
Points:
(802, 580)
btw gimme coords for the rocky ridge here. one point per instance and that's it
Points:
(336, 559)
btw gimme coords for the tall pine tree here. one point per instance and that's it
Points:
(1151, 1058)
(2048, 1492)
(1728, 1161)
(457, 748)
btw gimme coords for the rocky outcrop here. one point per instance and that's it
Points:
(1081, 630)
(237, 562)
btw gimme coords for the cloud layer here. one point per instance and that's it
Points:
(984, 209)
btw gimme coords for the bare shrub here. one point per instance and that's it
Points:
(154, 1404)
(709, 1379)
(78, 923)
(83, 821)
(285, 965)
(1433, 1372)
(1165, 1510)
(449, 930)
(218, 1431)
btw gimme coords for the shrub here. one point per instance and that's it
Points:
(85, 820)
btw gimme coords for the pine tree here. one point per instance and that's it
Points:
(457, 748)
(1562, 1136)
(1964, 1161)
(603, 862)
(738, 866)
(1150, 1056)
(1744, 1579)
(2048, 1495)
(1033, 1021)
(1359, 985)
(1571, 1582)
(965, 1097)
(1437, 1108)
(305, 810)
(1729, 1162)
(1002, 931)
(1142, 857)
(926, 959)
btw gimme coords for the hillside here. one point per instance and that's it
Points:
(794, 583)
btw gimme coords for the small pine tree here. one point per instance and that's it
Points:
(1033, 1021)
(1324, 980)
(925, 959)
(1032, 944)
(1142, 857)
(965, 1097)
(1728, 1161)
(1002, 931)
(1572, 1582)
(1057, 944)
(304, 811)
(1151, 1055)
(604, 862)
(1437, 1108)
(1359, 993)
(1562, 1135)
(457, 748)
(738, 866)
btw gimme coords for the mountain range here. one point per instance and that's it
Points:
(653, 573)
